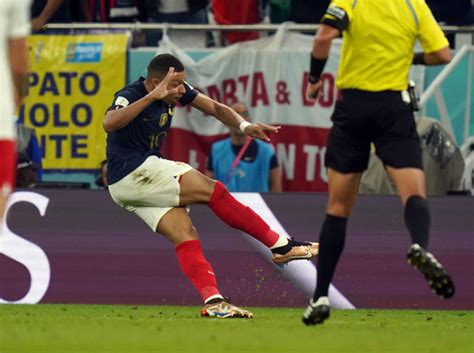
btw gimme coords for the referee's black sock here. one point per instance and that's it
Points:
(331, 244)
(417, 219)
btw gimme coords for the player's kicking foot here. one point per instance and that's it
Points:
(295, 250)
(437, 277)
(225, 310)
(317, 312)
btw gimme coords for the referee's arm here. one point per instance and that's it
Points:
(319, 55)
(322, 41)
(432, 39)
(437, 57)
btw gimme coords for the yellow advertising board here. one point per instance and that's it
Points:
(71, 82)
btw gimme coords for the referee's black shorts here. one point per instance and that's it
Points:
(363, 117)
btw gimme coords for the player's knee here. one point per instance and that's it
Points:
(190, 233)
(205, 190)
(212, 187)
(186, 232)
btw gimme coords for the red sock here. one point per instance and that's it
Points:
(196, 268)
(7, 165)
(239, 216)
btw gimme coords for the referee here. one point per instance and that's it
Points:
(376, 54)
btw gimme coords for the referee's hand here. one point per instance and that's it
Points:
(314, 90)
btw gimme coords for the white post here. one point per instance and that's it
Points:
(443, 74)
(467, 113)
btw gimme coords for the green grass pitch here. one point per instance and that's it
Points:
(119, 328)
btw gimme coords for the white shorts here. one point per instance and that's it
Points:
(151, 190)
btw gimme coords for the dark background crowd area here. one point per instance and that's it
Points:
(452, 12)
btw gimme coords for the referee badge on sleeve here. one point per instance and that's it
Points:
(336, 17)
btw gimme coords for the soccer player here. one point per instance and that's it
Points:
(14, 28)
(159, 190)
(376, 54)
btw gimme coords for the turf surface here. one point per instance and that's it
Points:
(163, 329)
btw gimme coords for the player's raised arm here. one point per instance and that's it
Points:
(231, 118)
(122, 113)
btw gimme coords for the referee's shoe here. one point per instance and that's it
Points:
(317, 312)
(437, 277)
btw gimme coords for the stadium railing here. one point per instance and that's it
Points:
(457, 120)
(213, 27)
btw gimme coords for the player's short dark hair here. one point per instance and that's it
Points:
(160, 64)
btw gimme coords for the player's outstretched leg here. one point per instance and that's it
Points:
(317, 312)
(241, 217)
(196, 188)
(437, 277)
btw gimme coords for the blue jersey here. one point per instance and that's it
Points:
(252, 174)
(129, 146)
